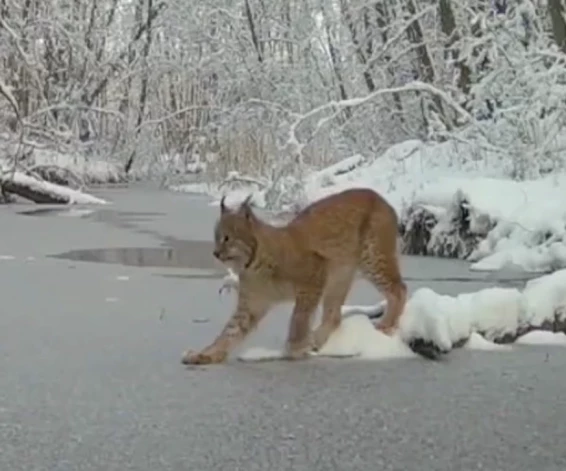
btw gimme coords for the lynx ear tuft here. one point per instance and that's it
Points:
(245, 208)
(223, 207)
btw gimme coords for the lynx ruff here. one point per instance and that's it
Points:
(314, 257)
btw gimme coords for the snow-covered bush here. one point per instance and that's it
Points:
(518, 89)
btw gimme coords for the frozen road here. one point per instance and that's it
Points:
(90, 377)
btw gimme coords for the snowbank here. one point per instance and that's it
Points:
(43, 191)
(65, 169)
(474, 210)
(500, 315)
(454, 200)
(541, 337)
(172, 166)
(483, 320)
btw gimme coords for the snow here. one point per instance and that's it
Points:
(197, 188)
(479, 319)
(356, 337)
(260, 354)
(74, 196)
(81, 168)
(494, 312)
(540, 337)
(521, 224)
(352, 309)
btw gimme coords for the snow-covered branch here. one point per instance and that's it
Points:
(415, 86)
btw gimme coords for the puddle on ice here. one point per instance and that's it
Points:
(190, 255)
(197, 255)
(187, 254)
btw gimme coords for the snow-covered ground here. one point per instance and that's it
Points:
(87, 170)
(71, 195)
(78, 169)
(65, 168)
(518, 223)
(480, 320)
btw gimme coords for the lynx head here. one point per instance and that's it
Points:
(234, 239)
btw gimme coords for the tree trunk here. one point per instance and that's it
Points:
(424, 62)
(448, 26)
(558, 18)
(144, 80)
(351, 24)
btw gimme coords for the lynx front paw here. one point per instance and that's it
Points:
(202, 358)
(319, 338)
(299, 351)
(387, 329)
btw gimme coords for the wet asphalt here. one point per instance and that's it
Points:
(90, 377)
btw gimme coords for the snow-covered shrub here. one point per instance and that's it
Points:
(518, 89)
(415, 228)
(440, 231)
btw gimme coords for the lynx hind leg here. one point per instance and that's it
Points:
(383, 274)
(335, 292)
(380, 265)
(299, 338)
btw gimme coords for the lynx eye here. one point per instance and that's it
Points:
(225, 239)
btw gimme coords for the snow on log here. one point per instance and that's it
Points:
(499, 315)
(43, 192)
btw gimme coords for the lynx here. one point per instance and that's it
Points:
(313, 257)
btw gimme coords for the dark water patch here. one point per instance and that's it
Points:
(193, 255)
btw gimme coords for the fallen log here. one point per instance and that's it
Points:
(30, 193)
(42, 192)
(433, 351)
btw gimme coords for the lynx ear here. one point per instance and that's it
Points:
(223, 208)
(245, 208)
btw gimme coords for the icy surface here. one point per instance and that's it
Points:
(477, 342)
